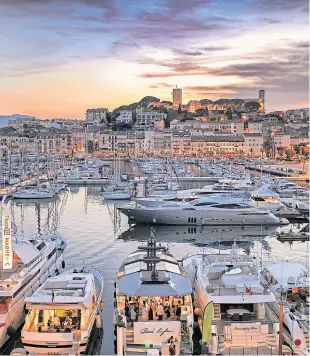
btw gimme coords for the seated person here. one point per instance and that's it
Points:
(68, 322)
(50, 321)
(56, 321)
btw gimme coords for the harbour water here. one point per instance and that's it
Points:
(97, 233)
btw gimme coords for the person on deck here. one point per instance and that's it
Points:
(172, 348)
(160, 312)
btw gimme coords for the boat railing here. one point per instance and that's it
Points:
(260, 350)
(99, 277)
(233, 290)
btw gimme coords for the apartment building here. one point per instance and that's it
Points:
(150, 120)
(282, 140)
(255, 127)
(253, 144)
(96, 116)
(217, 144)
(180, 143)
(124, 116)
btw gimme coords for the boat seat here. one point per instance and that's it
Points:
(236, 317)
(245, 317)
(55, 284)
(75, 285)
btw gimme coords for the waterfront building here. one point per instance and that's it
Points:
(180, 143)
(282, 140)
(217, 144)
(253, 144)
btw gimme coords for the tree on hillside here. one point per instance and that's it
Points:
(297, 149)
(280, 151)
(289, 152)
(179, 109)
(134, 116)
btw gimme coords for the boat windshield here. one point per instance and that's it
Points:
(56, 320)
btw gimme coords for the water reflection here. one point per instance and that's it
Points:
(217, 237)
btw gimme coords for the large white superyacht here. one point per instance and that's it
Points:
(153, 303)
(232, 303)
(63, 312)
(215, 210)
(24, 266)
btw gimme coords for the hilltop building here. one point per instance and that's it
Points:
(95, 116)
(176, 97)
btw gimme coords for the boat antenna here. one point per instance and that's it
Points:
(234, 250)
(219, 241)
(307, 256)
(261, 247)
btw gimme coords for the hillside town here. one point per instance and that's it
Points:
(200, 128)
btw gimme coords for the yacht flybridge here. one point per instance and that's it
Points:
(153, 302)
(23, 268)
(233, 303)
(63, 311)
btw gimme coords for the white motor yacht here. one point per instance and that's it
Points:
(151, 284)
(213, 210)
(117, 193)
(35, 193)
(232, 303)
(63, 312)
(289, 281)
(32, 262)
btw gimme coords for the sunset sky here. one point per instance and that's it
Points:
(60, 57)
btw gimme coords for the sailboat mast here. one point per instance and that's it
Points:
(38, 169)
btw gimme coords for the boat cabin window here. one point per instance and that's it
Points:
(57, 320)
(205, 203)
(230, 206)
(255, 198)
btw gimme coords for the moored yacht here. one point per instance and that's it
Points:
(215, 210)
(232, 303)
(289, 281)
(35, 193)
(23, 268)
(63, 312)
(153, 302)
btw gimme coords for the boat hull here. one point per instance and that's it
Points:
(33, 196)
(117, 196)
(194, 217)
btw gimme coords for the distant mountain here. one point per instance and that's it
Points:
(167, 102)
(4, 119)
